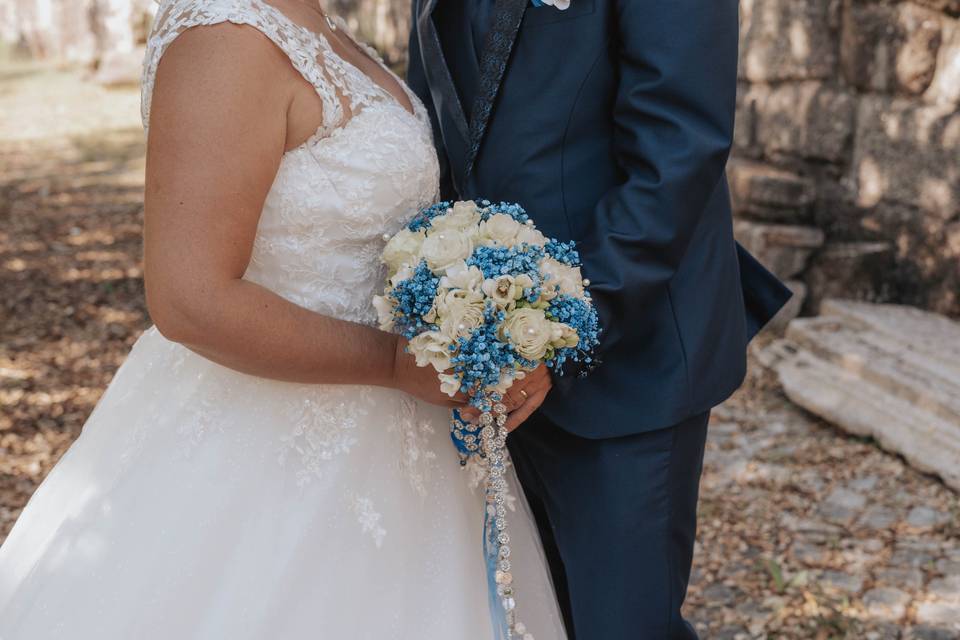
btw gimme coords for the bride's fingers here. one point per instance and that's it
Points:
(520, 416)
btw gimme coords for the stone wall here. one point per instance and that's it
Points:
(846, 167)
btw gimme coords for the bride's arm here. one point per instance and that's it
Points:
(218, 130)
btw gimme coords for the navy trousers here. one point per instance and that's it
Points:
(618, 521)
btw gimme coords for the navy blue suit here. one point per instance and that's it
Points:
(611, 123)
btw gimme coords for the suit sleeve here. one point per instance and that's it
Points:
(417, 80)
(674, 113)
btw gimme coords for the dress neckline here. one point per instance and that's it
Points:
(364, 50)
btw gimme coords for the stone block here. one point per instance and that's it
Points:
(886, 603)
(854, 270)
(841, 582)
(764, 192)
(884, 371)
(786, 40)
(889, 47)
(942, 614)
(945, 86)
(907, 152)
(784, 249)
(950, 6)
(808, 120)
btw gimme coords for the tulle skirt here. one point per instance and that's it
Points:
(199, 502)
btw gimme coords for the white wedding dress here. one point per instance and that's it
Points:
(199, 502)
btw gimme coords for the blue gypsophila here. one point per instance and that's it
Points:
(423, 219)
(582, 318)
(515, 211)
(414, 298)
(507, 261)
(564, 252)
(481, 357)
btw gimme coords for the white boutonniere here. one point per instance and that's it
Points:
(562, 5)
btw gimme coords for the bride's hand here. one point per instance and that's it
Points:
(420, 382)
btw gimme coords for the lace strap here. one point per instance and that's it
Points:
(177, 16)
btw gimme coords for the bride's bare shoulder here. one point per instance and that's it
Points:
(219, 68)
(224, 52)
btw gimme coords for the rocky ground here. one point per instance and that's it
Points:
(805, 532)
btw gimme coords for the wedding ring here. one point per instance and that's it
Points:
(524, 394)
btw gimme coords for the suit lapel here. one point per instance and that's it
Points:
(508, 14)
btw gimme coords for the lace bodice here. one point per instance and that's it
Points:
(366, 171)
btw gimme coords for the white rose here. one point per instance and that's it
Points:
(500, 229)
(403, 248)
(506, 290)
(563, 335)
(564, 277)
(531, 236)
(385, 309)
(463, 217)
(433, 348)
(529, 331)
(460, 312)
(460, 276)
(449, 384)
(444, 248)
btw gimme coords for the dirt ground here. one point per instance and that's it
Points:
(805, 532)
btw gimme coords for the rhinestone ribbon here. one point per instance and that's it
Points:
(490, 447)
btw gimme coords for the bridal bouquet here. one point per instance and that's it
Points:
(483, 297)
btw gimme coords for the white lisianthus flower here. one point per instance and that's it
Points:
(403, 248)
(529, 331)
(531, 236)
(445, 248)
(563, 335)
(460, 312)
(464, 217)
(506, 290)
(564, 277)
(449, 384)
(500, 229)
(433, 348)
(385, 308)
(460, 276)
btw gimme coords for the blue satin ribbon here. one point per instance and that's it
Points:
(498, 615)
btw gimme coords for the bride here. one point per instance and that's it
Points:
(266, 464)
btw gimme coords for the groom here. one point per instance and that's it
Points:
(610, 121)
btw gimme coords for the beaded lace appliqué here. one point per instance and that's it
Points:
(369, 519)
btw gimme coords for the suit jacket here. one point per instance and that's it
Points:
(611, 123)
